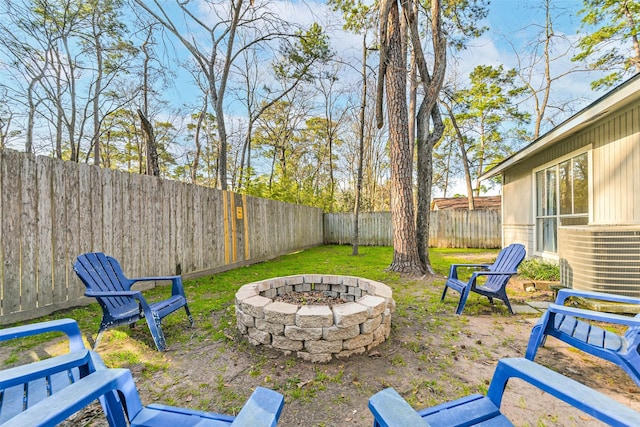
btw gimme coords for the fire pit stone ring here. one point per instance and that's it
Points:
(356, 319)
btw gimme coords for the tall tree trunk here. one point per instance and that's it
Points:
(405, 248)
(97, 155)
(218, 93)
(413, 97)
(196, 157)
(244, 180)
(363, 107)
(481, 157)
(28, 145)
(73, 108)
(59, 113)
(97, 92)
(428, 108)
(465, 158)
(426, 142)
(150, 145)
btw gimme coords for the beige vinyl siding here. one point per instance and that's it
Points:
(616, 169)
(517, 196)
(518, 234)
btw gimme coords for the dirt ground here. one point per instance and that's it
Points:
(432, 356)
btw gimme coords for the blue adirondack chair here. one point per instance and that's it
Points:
(572, 325)
(106, 282)
(498, 275)
(22, 387)
(263, 408)
(391, 410)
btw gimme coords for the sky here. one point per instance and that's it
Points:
(518, 22)
(512, 26)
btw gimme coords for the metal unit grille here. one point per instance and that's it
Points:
(600, 258)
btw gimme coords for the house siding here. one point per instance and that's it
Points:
(615, 199)
(517, 215)
(603, 254)
(616, 169)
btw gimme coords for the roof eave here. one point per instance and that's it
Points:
(620, 96)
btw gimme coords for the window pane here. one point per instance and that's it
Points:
(580, 184)
(540, 193)
(566, 205)
(550, 237)
(539, 235)
(551, 192)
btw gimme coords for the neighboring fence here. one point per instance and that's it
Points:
(374, 228)
(51, 211)
(448, 229)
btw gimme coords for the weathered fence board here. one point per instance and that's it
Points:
(448, 229)
(59, 254)
(29, 233)
(11, 208)
(46, 219)
(67, 283)
(51, 211)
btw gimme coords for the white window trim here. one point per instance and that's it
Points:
(586, 149)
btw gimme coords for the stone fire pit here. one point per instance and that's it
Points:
(317, 333)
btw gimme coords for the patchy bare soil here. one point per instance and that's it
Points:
(432, 356)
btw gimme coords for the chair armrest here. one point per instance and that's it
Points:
(262, 409)
(68, 326)
(154, 279)
(101, 294)
(390, 410)
(66, 402)
(453, 269)
(594, 315)
(494, 273)
(133, 294)
(471, 265)
(176, 283)
(563, 294)
(574, 393)
(474, 277)
(43, 368)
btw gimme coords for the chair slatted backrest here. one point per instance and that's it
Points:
(101, 273)
(508, 260)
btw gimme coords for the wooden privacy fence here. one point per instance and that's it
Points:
(51, 211)
(448, 229)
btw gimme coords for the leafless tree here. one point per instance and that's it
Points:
(215, 43)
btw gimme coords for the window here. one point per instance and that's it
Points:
(562, 198)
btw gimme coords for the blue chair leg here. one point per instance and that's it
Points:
(506, 301)
(156, 331)
(536, 339)
(98, 338)
(444, 292)
(464, 294)
(186, 308)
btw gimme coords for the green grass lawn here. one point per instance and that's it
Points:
(215, 293)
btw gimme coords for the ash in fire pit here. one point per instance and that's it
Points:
(310, 298)
(318, 317)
